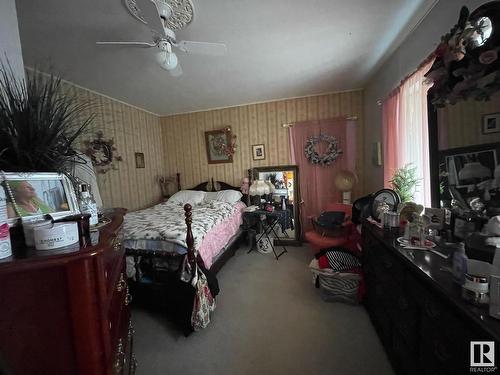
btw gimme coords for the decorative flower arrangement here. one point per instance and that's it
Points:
(331, 154)
(102, 152)
(466, 62)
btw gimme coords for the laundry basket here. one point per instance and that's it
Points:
(336, 286)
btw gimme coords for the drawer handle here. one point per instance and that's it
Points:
(121, 284)
(402, 303)
(441, 352)
(128, 298)
(120, 358)
(431, 310)
(131, 330)
(134, 365)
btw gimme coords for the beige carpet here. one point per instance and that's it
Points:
(269, 320)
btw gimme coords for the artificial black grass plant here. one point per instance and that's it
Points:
(39, 122)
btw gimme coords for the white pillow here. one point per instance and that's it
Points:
(192, 197)
(210, 196)
(229, 196)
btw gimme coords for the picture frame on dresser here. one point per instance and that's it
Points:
(35, 194)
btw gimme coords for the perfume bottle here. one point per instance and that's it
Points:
(88, 205)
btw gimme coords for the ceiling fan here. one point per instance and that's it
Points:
(162, 17)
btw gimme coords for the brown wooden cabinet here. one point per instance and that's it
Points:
(68, 313)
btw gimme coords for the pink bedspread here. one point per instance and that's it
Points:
(217, 237)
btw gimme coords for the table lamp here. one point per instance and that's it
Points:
(259, 188)
(344, 181)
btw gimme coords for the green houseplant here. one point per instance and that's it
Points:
(39, 122)
(405, 182)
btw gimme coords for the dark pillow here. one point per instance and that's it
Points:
(331, 219)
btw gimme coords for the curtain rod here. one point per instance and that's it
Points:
(290, 124)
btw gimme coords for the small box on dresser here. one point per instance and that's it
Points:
(67, 312)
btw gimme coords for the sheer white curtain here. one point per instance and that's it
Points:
(412, 135)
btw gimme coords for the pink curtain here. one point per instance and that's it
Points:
(316, 183)
(390, 135)
(405, 131)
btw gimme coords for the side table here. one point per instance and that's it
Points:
(263, 223)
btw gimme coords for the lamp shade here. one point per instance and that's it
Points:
(345, 180)
(271, 186)
(259, 187)
(474, 170)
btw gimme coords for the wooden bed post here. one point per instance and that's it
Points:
(178, 179)
(189, 235)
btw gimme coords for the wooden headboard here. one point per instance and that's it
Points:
(214, 186)
(210, 186)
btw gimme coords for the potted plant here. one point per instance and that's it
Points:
(39, 123)
(405, 182)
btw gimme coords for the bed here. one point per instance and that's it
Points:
(159, 238)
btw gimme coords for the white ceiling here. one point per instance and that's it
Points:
(276, 49)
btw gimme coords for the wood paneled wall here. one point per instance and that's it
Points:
(184, 139)
(133, 130)
(460, 125)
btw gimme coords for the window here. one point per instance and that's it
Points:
(405, 131)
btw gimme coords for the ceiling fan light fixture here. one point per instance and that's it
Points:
(167, 60)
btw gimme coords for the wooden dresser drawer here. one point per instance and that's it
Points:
(123, 361)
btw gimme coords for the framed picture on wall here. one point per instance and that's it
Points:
(258, 152)
(217, 143)
(139, 160)
(491, 123)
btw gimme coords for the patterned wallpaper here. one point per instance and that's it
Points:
(133, 130)
(184, 140)
(461, 124)
(177, 143)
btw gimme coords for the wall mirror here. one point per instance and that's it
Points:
(464, 114)
(466, 154)
(285, 197)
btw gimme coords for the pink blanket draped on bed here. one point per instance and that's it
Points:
(217, 237)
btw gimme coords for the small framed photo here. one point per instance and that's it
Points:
(139, 160)
(258, 152)
(491, 123)
(37, 194)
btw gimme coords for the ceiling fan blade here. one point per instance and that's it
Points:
(151, 16)
(203, 48)
(131, 44)
(176, 72)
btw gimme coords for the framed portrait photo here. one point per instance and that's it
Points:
(139, 160)
(258, 152)
(217, 142)
(491, 123)
(37, 194)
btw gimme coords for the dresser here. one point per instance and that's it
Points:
(417, 310)
(66, 312)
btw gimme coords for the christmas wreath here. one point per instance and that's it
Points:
(332, 151)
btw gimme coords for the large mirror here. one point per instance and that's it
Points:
(466, 151)
(464, 114)
(285, 198)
